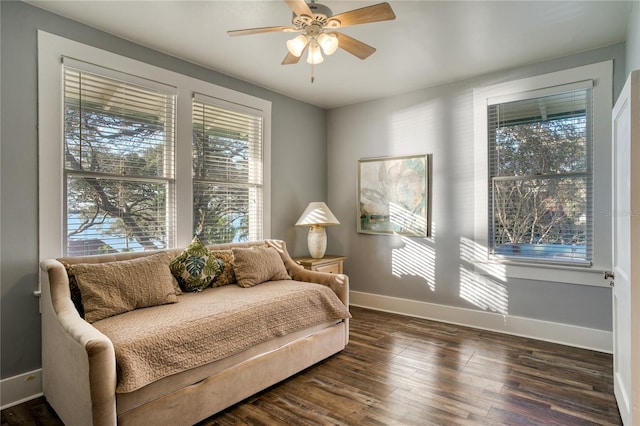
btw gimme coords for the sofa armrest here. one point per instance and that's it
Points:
(339, 283)
(78, 361)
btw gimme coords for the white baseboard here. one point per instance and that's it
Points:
(21, 388)
(570, 335)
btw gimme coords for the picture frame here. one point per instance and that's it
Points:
(394, 195)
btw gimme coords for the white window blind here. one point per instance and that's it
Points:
(227, 171)
(118, 164)
(540, 167)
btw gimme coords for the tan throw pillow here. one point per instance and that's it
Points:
(113, 288)
(226, 276)
(256, 265)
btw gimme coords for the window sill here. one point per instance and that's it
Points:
(578, 275)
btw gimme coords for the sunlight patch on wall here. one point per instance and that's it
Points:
(416, 258)
(477, 256)
(483, 292)
(481, 281)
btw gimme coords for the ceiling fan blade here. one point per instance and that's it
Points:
(290, 59)
(365, 15)
(299, 7)
(233, 33)
(353, 46)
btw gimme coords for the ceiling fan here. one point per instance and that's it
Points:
(316, 23)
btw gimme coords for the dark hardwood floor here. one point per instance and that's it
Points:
(399, 370)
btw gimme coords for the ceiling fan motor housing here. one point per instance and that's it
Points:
(320, 17)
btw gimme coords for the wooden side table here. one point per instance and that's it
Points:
(329, 263)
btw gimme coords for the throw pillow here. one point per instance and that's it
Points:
(226, 275)
(195, 267)
(113, 288)
(256, 265)
(76, 297)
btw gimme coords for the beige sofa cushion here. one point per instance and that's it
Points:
(256, 265)
(112, 288)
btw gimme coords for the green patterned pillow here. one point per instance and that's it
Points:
(195, 268)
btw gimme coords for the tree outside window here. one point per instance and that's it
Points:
(540, 180)
(119, 170)
(227, 173)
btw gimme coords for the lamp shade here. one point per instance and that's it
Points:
(317, 213)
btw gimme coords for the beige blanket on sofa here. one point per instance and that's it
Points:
(156, 342)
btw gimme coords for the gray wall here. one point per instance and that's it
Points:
(633, 39)
(439, 120)
(304, 158)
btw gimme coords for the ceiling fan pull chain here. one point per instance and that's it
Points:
(313, 73)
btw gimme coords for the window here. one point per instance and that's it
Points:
(118, 165)
(540, 177)
(227, 171)
(542, 194)
(135, 157)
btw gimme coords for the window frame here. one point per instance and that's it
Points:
(166, 178)
(601, 75)
(253, 186)
(51, 50)
(587, 173)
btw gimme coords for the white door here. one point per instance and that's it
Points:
(626, 250)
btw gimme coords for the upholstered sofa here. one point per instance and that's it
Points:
(88, 379)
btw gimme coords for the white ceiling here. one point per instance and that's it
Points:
(429, 42)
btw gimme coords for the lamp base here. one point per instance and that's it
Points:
(317, 241)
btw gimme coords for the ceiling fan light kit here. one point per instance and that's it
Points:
(329, 43)
(313, 20)
(315, 55)
(296, 45)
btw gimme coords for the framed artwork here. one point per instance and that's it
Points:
(394, 195)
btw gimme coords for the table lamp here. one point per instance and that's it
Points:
(317, 215)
